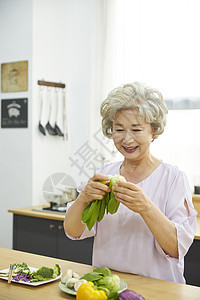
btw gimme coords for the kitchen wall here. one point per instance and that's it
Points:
(61, 52)
(16, 144)
(55, 37)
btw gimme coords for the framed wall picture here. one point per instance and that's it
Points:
(14, 113)
(14, 77)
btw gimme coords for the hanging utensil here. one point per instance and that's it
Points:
(50, 126)
(65, 127)
(40, 126)
(59, 120)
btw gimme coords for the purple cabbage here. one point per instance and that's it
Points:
(130, 295)
(22, 277)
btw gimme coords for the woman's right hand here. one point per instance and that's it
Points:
(95, 190)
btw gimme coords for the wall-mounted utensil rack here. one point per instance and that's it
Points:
(53, 84)
(55, 123)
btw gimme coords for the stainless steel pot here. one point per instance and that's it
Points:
(68, 195)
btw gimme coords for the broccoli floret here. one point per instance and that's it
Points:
(45, 272)
(56, 270)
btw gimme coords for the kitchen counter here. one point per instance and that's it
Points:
(31, 212)
(151, 289)
(28, 211)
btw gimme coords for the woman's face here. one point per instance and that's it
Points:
(131, 135)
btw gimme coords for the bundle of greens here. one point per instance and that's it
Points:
(95, 210)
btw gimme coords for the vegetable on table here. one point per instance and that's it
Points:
(87, 291)
(67, 275)
(22, 277)
(98, 284)
(104, 280)
(79, 283)
(56, 271)
(95, 210)
(22, 272)
(130, 295)
(21, 268)
(103, 270)
(111, 282)
(72, 280)
(43, 273)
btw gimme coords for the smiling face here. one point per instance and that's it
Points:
(131, 135)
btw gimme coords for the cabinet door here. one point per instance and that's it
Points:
(77, 251)
(192, 264)
(35, 235)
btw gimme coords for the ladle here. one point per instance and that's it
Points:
(58, 115)
(40, 126)
(51, 130)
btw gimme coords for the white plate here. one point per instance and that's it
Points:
(32, 269)
(64, 288)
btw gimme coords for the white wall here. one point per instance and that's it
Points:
(61, 52)
(16, 144)
(55, 37)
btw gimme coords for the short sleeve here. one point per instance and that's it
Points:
(185, 224)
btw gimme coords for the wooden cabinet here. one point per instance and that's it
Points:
(47, 237)
(43, 234)
(192, 264)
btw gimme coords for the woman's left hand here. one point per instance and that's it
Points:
(132, 196)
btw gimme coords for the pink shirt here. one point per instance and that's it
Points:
(123, 242)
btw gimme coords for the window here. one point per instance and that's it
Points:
(155, 42)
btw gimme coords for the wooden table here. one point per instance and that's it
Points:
(151, 289)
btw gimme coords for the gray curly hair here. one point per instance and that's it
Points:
(148, 101)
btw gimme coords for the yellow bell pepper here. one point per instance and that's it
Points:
(87, 292)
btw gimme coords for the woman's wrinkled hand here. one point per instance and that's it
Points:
(132, 196)
(94, 189)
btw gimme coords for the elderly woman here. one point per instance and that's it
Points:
(155, 223)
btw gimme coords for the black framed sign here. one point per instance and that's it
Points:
(14, 113)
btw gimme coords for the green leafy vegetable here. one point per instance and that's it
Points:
(104, 280)
(92, 276)
(95, 210)
(113, 204)
(102, 208)
(21, 268)
(110, 282)
(113, 295)
(88, 211)
(103, 270)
